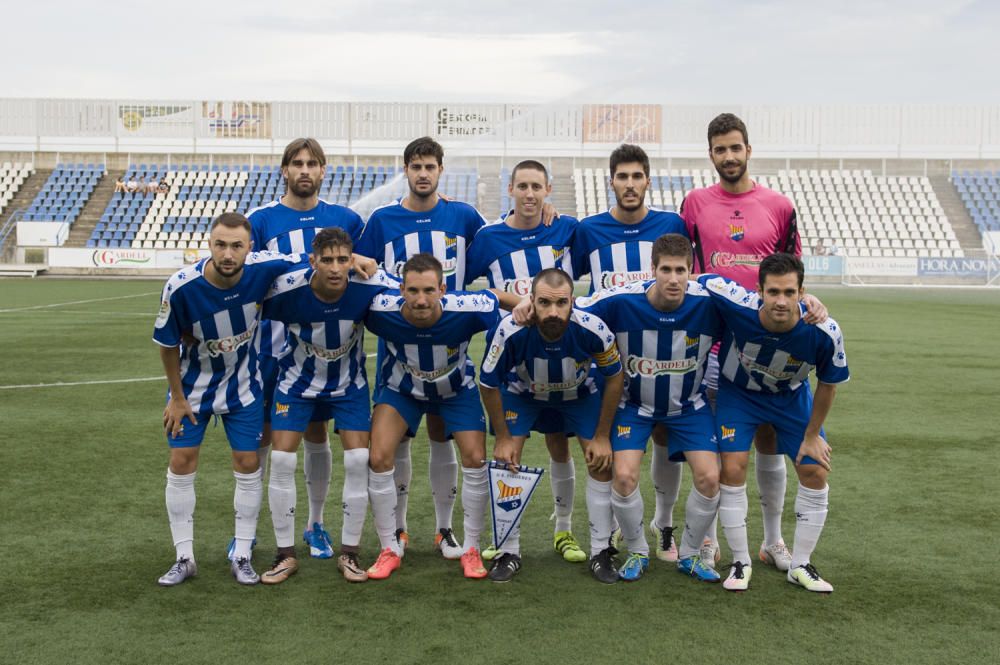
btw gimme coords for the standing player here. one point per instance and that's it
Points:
(206, 326)
(767, 354)
(614, 248)
(322, 377)
(665, 329)
(734, 224)
(423, 222)
(425, 368)
(288, 225)
(534, 374)
(509, 253)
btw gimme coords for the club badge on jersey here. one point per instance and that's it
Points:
(510, 492)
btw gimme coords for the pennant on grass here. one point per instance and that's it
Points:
(509, 495)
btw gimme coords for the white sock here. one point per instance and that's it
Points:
(599, 512)
(317, 464)
(699, 514)
(180, 512)
(355, 496)
(562, 476)
(475, 495)
(246, 504)
(513, 543)
(442, 466)
(262, 454)
(382, 497)
(666, 477)
(772, 480)
(811, 507)
(402, 475)
(281, 497)
(733, 517)
(628, 511)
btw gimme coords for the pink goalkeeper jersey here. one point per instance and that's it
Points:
(736, 231)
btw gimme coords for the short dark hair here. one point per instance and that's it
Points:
(725, 123)
(330, 237)
(552, 277)
(779, 264)
(671, 244)
(293, 148)
(530, 164)
(231, 220)
(626, 153)
(425, 146)
(423, 262)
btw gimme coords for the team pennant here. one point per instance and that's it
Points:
(509, 494)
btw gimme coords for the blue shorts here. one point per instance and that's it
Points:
(269, 382)
(243, 428)
(350, 412)
(461, 413)
(694, 430)
(525, 415)
(738, 412)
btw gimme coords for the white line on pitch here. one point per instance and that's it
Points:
(82, 383)
(77, 302)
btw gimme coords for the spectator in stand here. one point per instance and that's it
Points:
(162, 188)
(120, 185)
(132, 186)
(152, 186)
(819, 249)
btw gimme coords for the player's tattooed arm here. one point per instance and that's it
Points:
(815, 310)
(813, 445)
(365, 266)
(178, 407)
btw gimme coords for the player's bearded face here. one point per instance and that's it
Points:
(630, 183)
(230, 247)
(729, 156)
(422, 292)
(422, 175)
(304, 174)
(553, 307)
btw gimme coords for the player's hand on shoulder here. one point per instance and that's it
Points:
(365, 266)
(549, 214)
(816, 447)
(524, 312)
(815, 310)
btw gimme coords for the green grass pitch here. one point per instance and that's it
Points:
(910, 543)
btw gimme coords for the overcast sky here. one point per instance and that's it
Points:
(750, 52)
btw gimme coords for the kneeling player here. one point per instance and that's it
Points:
(321, 377)
(208, 317)
(530, 372)
(665, 329)
(766, 356)
(426, 369)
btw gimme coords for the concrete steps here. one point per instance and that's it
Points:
(84, 225)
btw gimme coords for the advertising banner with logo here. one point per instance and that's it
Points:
(616, 123)
(236, 120)
(881, 266)
(155, 120)
(42, 234)
(824, 266)
(65, 257)
(509, 495)
(935, 266)
(466, 121)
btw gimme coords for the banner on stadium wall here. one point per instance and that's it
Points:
(42, 234)
(934, 266)
(155, 120)
(618, 123)
(509, 495)
(824, 266)
(73, 257)
(466, 121)
(881, 266)
(236, 120)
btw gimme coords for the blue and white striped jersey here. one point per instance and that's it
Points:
(278, 228)
(753, 358)
(326, 354)
(431, 363)
(520, 360)
(664, 353)
(510, 257)
(219, 373)
(394, 234)
(614, 254)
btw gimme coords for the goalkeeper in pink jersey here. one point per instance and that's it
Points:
(734, 224)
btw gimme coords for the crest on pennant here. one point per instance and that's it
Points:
(510, 492)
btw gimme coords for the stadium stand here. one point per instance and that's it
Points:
(980, 192)
(12, 176)
(858, 213)
(180, 218)
(65, 193)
